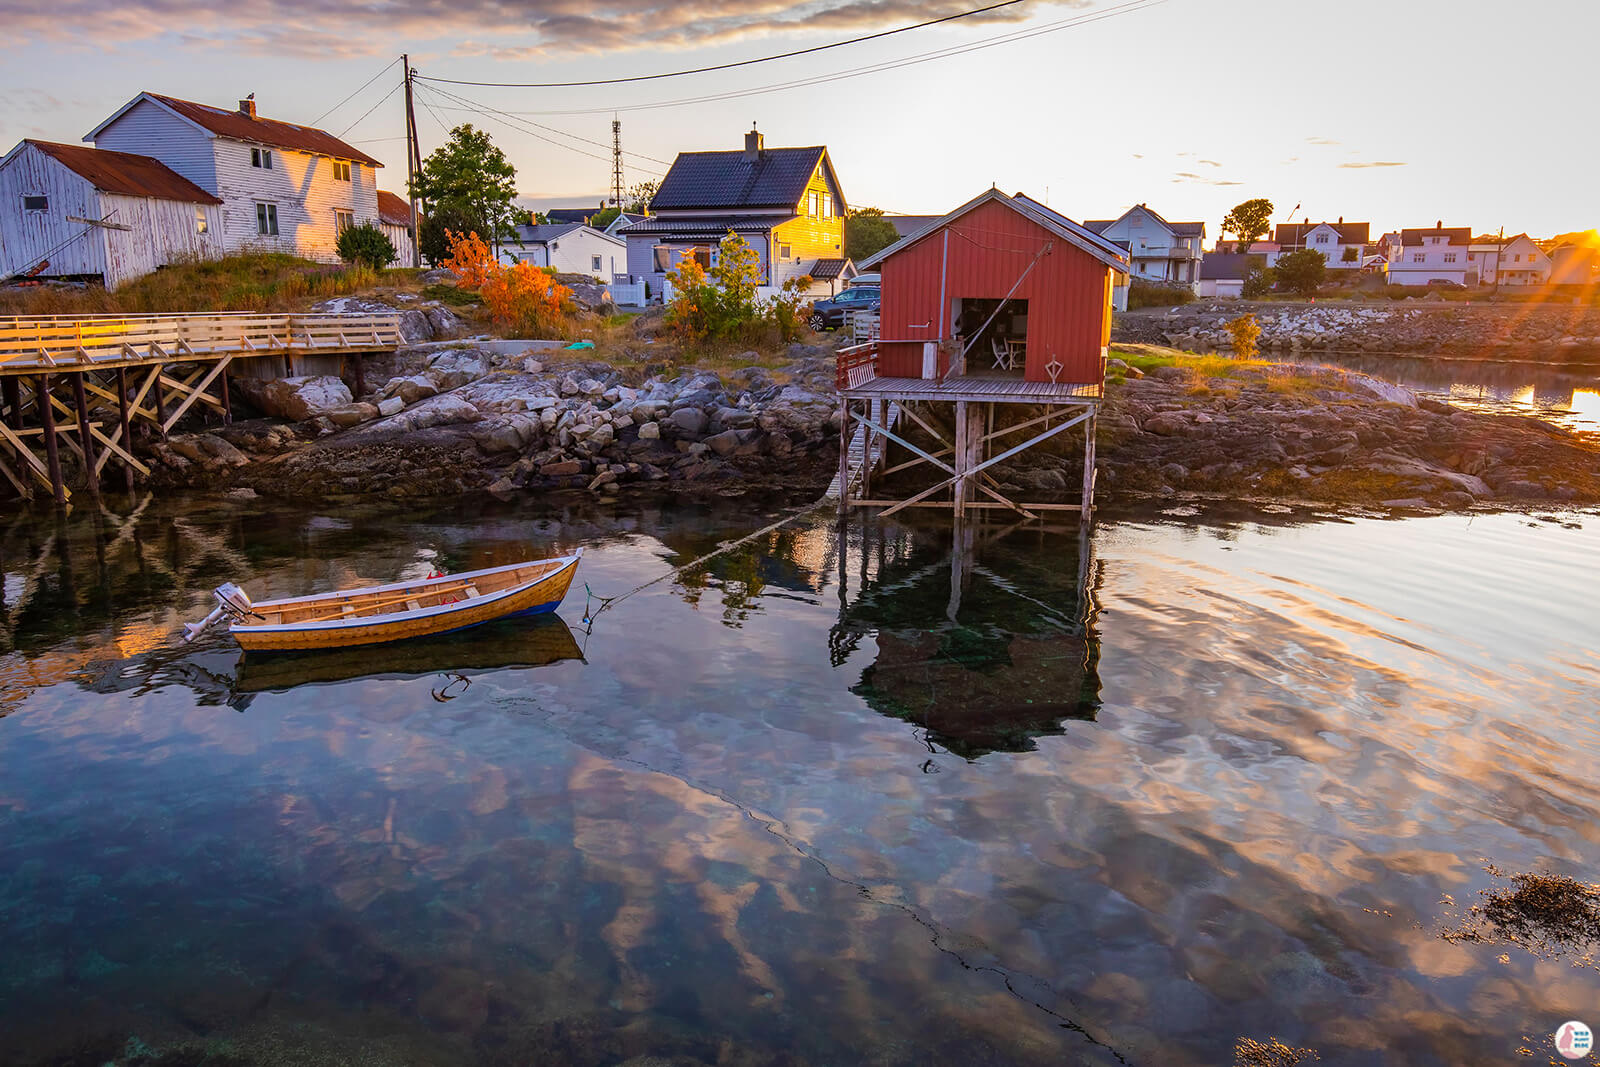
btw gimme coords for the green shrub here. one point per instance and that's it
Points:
(366, 244)
(1143, 294)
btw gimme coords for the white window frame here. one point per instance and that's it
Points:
(266, 218)
(343, 219)
(827, 205)
(595, 262)
(261, 158)
(201, 223)
(341, 171)
(1449, 257)
(813, 203)
(785, 251)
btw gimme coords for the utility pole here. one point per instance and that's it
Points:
(413, 165)
(616, 163)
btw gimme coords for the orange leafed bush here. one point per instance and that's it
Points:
(525, 298)
(469, 258)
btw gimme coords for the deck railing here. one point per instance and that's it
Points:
(855, 365)
(48, 341)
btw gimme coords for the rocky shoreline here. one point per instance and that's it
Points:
(1546, 332)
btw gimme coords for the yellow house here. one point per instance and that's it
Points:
(785, 202)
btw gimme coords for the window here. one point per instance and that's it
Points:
(341, 171)
(1419, 257)
(1472, 257)
(663, 258)
(36, 203)
(594, 262)
(813, 205)
(827, 205)
(261, 157)
(343, 220)
(1449, 257)
(785, 251)
(1516, 259)
(267, 220)
(200, 223)
(701, 255)
(1322, 238)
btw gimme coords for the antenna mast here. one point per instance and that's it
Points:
(616, 163)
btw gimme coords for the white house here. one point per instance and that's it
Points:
(1162, 251)
(284, 188)
(1439, 254)
(569, 247)
(1572, 264)
(1342, 244)
(394, 218)
(1521, 262)
(623, 219)
(70, 211)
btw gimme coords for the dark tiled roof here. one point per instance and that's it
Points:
(241, 127)
(545, 231)
(125, 173)
(1227, 266)
(825, 270)
(909, 224)
(777, 178)
(570, 214)
(714, 226)
(1350, 233)
(1458, 235)
(393, 210)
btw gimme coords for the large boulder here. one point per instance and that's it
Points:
(455, 367)
(445, 322)
(592, 296)
(298, 398)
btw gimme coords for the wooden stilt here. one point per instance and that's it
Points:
(227, 403)
(12, 394)
(80, 404)
(52, 451)
(159, 396)
(1087, 512)
(122, 419)
(844, 456)
(360, 376)
(961, 464)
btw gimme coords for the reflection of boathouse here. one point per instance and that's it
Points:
(981, 662)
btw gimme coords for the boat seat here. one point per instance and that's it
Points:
(412, 605)
(471, 591)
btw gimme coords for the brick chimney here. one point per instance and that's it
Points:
(754, 145)
(247, 106)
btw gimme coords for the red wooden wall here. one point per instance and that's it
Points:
(1068, 293)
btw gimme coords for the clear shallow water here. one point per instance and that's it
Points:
(789, 813)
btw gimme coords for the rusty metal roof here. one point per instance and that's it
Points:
(241, 127)
(125, 173)
(393, 209)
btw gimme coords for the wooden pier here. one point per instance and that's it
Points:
(84, 383)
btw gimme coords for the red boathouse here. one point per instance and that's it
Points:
(1002, 301)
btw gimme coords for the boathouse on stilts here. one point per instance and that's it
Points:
(1001, 302)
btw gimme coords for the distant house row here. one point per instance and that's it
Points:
(169, 179)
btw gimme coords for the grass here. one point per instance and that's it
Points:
(452, 295)
(1204, 369)
(254, 281)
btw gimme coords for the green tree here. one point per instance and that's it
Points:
(1301, 272)
(366, 244)
(1350, 255)
(432, 241)
(468, 175)
(867, 232)
(1258, 280)
(1249, 221)
(639, 195)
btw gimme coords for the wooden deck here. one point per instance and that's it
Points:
(51, 343)
(998, 388)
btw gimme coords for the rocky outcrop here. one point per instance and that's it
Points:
(419, 321)
(295, 399)
(1479, 330)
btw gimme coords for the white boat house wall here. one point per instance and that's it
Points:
(67, 211)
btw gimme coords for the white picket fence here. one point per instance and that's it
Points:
(627, 291)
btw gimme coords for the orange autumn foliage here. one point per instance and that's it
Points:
(524, 298)
(469, 258)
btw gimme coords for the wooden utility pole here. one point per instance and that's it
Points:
(413, 165)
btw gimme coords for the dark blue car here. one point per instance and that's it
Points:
(830, 314)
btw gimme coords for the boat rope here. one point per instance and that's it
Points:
(607, 602)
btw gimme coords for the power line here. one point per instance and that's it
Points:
(473, 105)
(521, 125)
(371, 109)
(318, 120)
(739, 63)
(1128, 7)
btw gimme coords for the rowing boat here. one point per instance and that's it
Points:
(394, 612)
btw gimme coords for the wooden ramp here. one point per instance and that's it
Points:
(866, 449)
(84, 382)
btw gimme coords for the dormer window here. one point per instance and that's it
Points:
(812, 204)
(827, 205)
(261, 158)
(341, 171)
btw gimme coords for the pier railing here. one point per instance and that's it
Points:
(76, 342)
(855, 365)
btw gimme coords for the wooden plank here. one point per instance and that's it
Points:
(197, 393)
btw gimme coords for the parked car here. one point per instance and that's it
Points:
(832, 313)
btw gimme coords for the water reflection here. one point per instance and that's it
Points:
(983, 660)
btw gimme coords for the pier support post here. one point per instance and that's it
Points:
(359, 376)
(160, 396)
(960, 457)
(80, 406)
(227, 402)
(11, 391)
(52, 452)
(844, 456)
(1089, 424)
(122, 420)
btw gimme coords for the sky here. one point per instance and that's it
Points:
(1393, 112)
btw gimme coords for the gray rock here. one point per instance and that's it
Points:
(439, 276)
(445, 323)
(724, 443)
(493, 436)
(690, 421)
(391, 406)
(297, 398)
(353, 415)
(455, 367)
(603, 435)
(649, 432)
(411, 389)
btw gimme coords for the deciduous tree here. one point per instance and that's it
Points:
(366, 244)
(867, 232)
(1249, 221)
(470, 176)
(1301, 272)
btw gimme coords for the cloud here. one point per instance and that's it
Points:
(1184, 176)
(1137, 156)
(1211, 163)
(1375, 163)
(1320, 140)
(499, 29)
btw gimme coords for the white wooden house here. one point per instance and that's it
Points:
(1430, 255)
(1343, 244)
(67, 211)
(394, 218)
(569, 247)
(284, 188)
(1521, 262)
(1164, 252)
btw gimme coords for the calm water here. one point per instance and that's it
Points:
(1565, 394)
(876, 800)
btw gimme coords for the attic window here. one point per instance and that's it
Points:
(261, 157)
(36, 203)
(812, 209)
(827, 204)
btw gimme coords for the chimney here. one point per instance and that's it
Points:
(754, 145)
(247, 107)
(1341, 220)
(1439, 225)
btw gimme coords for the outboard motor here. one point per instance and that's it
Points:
(232, 602)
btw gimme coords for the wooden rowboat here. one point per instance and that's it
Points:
(394, 612)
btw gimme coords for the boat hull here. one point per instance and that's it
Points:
(535, 598)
